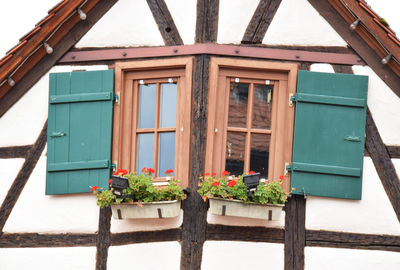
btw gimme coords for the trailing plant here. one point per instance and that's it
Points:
(234, 188)
(141, 189)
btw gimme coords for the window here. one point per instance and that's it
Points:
(152, 118)
(250, 122)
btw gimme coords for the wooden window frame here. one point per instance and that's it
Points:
(124, 126)
(283, 76)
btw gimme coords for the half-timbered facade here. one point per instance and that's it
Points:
(283, 87)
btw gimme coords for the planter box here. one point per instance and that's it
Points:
(164, 209)
(237, 208)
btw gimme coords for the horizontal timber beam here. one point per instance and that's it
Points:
(34, 240)
(118, 239)
(251, 234)
(211, 49)
(15, 151)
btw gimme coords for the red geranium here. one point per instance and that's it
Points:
(225, 173)
(281, 177)
(144, 170)
(214, 174)
(169, 171)
(94, 188)
(110, 181)
(216, 184)
(232, 183)
(150, 170)
(207, 174)
(252, 172)
(121, 172)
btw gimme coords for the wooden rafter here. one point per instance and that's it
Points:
(259, 23)
(165, 23)
(207, 21)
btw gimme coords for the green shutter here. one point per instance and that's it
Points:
(328, 145)
(79, 131)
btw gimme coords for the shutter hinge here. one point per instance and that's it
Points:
(114, 166)
(292, 98)
(288, 169)
(116, 97)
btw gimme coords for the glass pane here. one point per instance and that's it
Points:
(147, 105)
(262, 108)
(238, 97)
(168, 105)
(166, 155)
(235, 147)
(259, 153)
(145, 151)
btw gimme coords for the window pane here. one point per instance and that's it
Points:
(166, 155)
(145, 151)
(238, 97)
(259, 153)
(147, 105)
(262, 108)
(168, 105)
(235, 147)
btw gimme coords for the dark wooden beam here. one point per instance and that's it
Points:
(34, 240)
(383, 164)
(249, 234)
(352, 240)
(40, 69)
(260, 21)
(207, 21)
(104, 238)
(343, 69)
(165, 23)
(15, 151)
(127, 238)
(369, 55)
(22, 177)
(195, 210)
(295, 233)
(394, 151)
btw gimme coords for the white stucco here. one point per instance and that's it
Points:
(384, 106)
(372, 214)
(349, 259)
(322, 68)
(9, 169)
(183, 13)
(145, 224)
(396, 163)
(48, 258)
(36, 212)
(297, 23)
(242, 256)
(149, 256)
(127, 23)
(26, 118)
(233, 18)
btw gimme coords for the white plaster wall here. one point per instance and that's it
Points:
(127, 23)
(396, 163)
(372, 214)
(149, 256)
(322, 68)
(145, 224)
(233, 18)
(48, 258)
(297, 23)
(350, 259)
(183, 13)
(37, 212)
(9, 169)
(384, 106)
(242, 255)
(239, 221)
(24, 121)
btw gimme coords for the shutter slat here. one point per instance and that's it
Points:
(71, 166)
(333, 100)
(55, 99)
(317, 168)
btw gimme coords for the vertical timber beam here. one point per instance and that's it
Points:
(104, 238)
(295, 232)
(194, 226)
(207, 21)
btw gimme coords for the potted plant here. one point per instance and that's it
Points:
(231, 196)
(133, 195)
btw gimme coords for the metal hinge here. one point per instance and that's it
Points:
(116, 97)
(292, 98)
(288, 169)
(114, 166)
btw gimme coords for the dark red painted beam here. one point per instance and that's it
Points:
(212, 49)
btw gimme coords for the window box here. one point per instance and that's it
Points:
(236, 208)
(163, 209)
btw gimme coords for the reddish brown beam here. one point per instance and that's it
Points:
(211, 49)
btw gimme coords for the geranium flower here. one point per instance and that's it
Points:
(94, 188)
(252, 172)
(150, 170)
(232, 183)
(144, 170)
(214, 174)
(168, 172)
(121, 172)
(225, 173)
(281, 177)
(207, 174)
(110, 181)
(216, 184)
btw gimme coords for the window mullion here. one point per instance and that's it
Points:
(156, 126)
(248, 127)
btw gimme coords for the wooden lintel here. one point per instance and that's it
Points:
(15, 151)
(118, 239)
(250, 234)
(211, 49)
